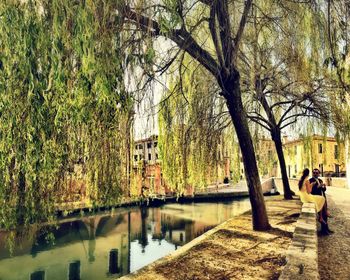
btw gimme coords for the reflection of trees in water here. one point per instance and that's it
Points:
(92, 240)
(47, 237)
(146, 221)
(38, 238)
(144, 216)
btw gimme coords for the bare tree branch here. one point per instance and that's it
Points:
(237, 39)
(260, 122)
(180, 36)
(223, 17)
(214, 35)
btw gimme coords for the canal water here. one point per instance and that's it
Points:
(108, 245)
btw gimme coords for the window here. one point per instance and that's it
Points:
(337, 169)
(320, 148)
(149, 157)
(149, 145)
(155, 144)
(140, 146)
(336, 152)
(156, 156)
(135, 157)
(321, 168)
(136, 147)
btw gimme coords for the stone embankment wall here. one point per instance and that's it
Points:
(302, 256)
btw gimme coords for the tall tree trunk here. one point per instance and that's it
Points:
(21, 198)
(276, 137)
(232, 93)
(128, 160)
(347, 159)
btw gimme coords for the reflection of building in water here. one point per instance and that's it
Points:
(100, 246)
(91, 248)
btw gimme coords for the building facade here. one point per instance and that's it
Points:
(316, 151)
(147, 168)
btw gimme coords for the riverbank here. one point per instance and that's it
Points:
(71, 209)
(232, 250)
(212, 193)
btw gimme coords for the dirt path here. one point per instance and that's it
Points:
(235, 251)
(334, 250)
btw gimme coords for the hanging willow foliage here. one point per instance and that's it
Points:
(63, 106)
(192, 122)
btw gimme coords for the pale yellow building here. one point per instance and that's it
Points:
(316, 151)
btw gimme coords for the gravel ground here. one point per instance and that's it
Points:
(334, 250)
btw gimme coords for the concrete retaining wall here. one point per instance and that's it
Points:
(335, 182)
(302, 254)
(293, 183)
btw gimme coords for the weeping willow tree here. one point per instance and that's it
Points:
(211, 33)
(281, 71)
(192, 122)
(335, 16)
(62, 105)
(341, 118)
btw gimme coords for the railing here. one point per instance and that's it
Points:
(213, 188)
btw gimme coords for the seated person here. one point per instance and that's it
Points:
(305, 188)
(318, 188)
